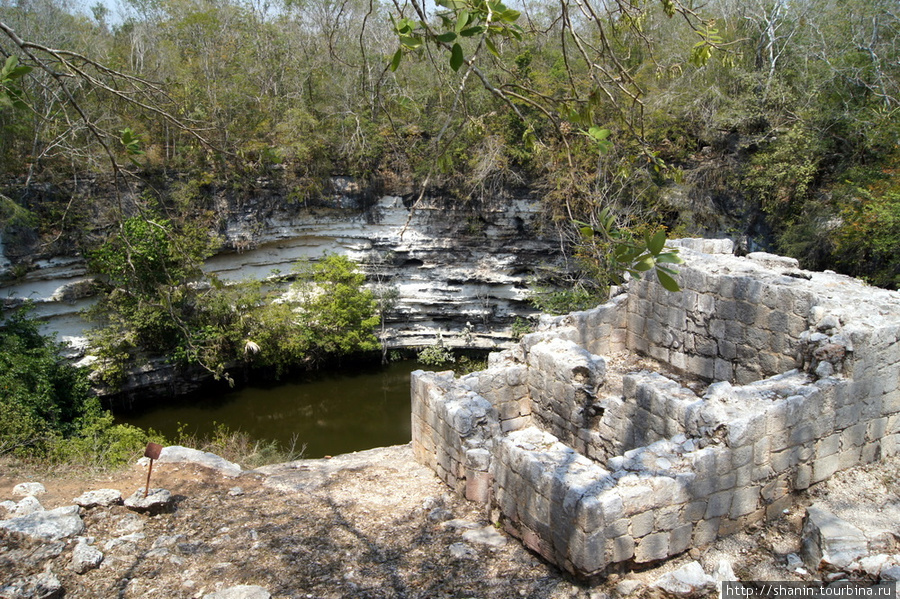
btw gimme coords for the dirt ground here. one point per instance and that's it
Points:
(373, 524)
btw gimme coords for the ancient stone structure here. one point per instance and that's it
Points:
(803, 373)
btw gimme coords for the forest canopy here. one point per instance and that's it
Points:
(786, 109)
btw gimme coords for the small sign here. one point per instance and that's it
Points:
(152, 451)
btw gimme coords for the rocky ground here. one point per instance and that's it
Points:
(367, 525)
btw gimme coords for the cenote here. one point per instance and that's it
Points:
(329, 411)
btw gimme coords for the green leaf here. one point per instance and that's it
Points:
(599, 133)
(395, 61)
(471, 31)
(461, 21)
(491, 47)
(456, 57)
(412, 42)
(446, 37)
(667, 282)
(644, 264)
(669, 258)
(655, 244)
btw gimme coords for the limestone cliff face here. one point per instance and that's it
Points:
(461, 272)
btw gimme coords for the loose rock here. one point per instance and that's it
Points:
(85, 557)
(100, 497)
(830, 543)
(28, 505)
(156, 499)
(50, 525)
(690, 579)
(243, 591)
(26, 489)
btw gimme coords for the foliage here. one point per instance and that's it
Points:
(46, 408)
(436, 355)
(237, 446)
(327, 314)
(615, 251)
(521, 327)
(867, 241)
(562, 301)
(149, 301)
(175, 312)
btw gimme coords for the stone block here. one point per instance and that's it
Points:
(681, 538)
(621, 548)
(876, 429)
(850, 458)
(871, 452)
(706, 532)
(745, 501)
(637, 498)
(617, 528)
(761, 451)
(728, 527)
(777, 508)
(642, 524)
(668, 518)
(695, 510)
(775, 489)
(830, 542)
(652, 547)
(478, 487)
(828, 446)
(825, 467)
(718, 505)
(588, 552)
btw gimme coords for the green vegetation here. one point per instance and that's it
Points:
(157, 304)
(783, 115)
(46, 408)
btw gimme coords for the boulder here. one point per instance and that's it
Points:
(40, 586)
(49, 525)
(26, 489)
(180, 454)
(830, 543)
(85, 557)
(242, 591)
(99, 497)
(27, 505)
(155, 500)
(688, 580)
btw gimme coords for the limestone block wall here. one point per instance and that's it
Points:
(805, 381)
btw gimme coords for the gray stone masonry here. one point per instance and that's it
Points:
(803, 373)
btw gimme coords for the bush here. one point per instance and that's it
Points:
(47, 410)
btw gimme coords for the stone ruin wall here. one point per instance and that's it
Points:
(804, 373)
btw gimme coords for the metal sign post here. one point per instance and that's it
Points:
(153, 450)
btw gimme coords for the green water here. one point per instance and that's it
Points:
(330, 412)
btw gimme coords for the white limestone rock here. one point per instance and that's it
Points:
(48, 525)
(28, 489)
(830, 543)
(39, 586)
(85, 557)
(27, 505)
(487, 535)
(174, 454)
(688, 580)
(242, 591)
(155, 499)
(99, 497)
